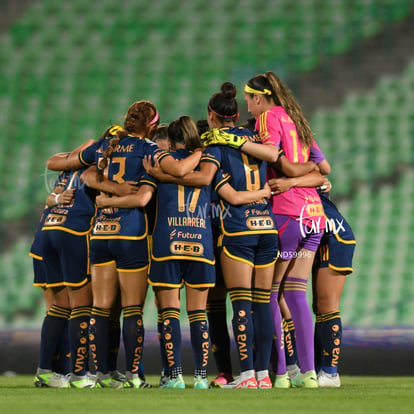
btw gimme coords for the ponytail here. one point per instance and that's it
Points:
(103, 163)
(285, 98)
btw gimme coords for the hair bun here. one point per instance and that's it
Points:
(228, 90)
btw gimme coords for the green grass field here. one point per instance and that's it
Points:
(357, 395)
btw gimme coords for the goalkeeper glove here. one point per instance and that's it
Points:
(217, 136)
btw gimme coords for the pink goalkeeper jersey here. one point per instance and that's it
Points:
(277, 128)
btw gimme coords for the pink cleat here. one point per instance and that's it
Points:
(221, 379)
(242, 383)
(265, 382)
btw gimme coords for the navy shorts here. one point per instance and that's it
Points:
(129, 255)
(173, 273)
(335, 253)
(65, 258)
(39, 272)
(257, 250)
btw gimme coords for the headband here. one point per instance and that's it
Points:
(222, 116)
(155, 119)
(248, 89)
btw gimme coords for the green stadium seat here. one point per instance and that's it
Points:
(73, 67)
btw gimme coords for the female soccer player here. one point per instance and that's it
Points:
(298, 212)
(67, 162)
(66, 231)
(333, 262)
(53, 347)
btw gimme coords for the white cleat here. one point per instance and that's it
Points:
(48, 378)
(82, 381)
(326, 380)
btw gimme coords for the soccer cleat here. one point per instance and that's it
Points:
(326, 380)
(177, 383)
(82, 381)
(48, 378)
(106, 381)
(265, 382)
(292, 370)
(135, 381)
(117, 376)
(163, 380)
(242, 383)
(305, 380)
(282, 381)
(200, 383)
(221, 379)
(144, 381)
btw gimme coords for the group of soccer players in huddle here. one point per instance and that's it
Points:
(221, 210)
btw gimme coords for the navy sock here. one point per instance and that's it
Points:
(53, 327)
(78, 339)
(164, 362)
(290, 342)
(328, 336)
(263, 332)
(200, 340)
(171, 333)
(219, 335)
(241, 300)
(99, 338)
(114, 341)
(62, 360)
(133, 336)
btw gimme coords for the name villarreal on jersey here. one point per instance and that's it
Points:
(184, 246)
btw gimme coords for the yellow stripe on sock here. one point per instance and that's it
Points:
(80, 312)
(59, 312)
(289, 286)
(196, 317)
(261, 296)
(129, 311)
(328, 316)
(106, 313)
(216, 306)
(240, 294)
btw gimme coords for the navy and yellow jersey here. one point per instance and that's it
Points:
(76, 217)
(182, 228)
(36, 247)
(247, 174)
(125, 164)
